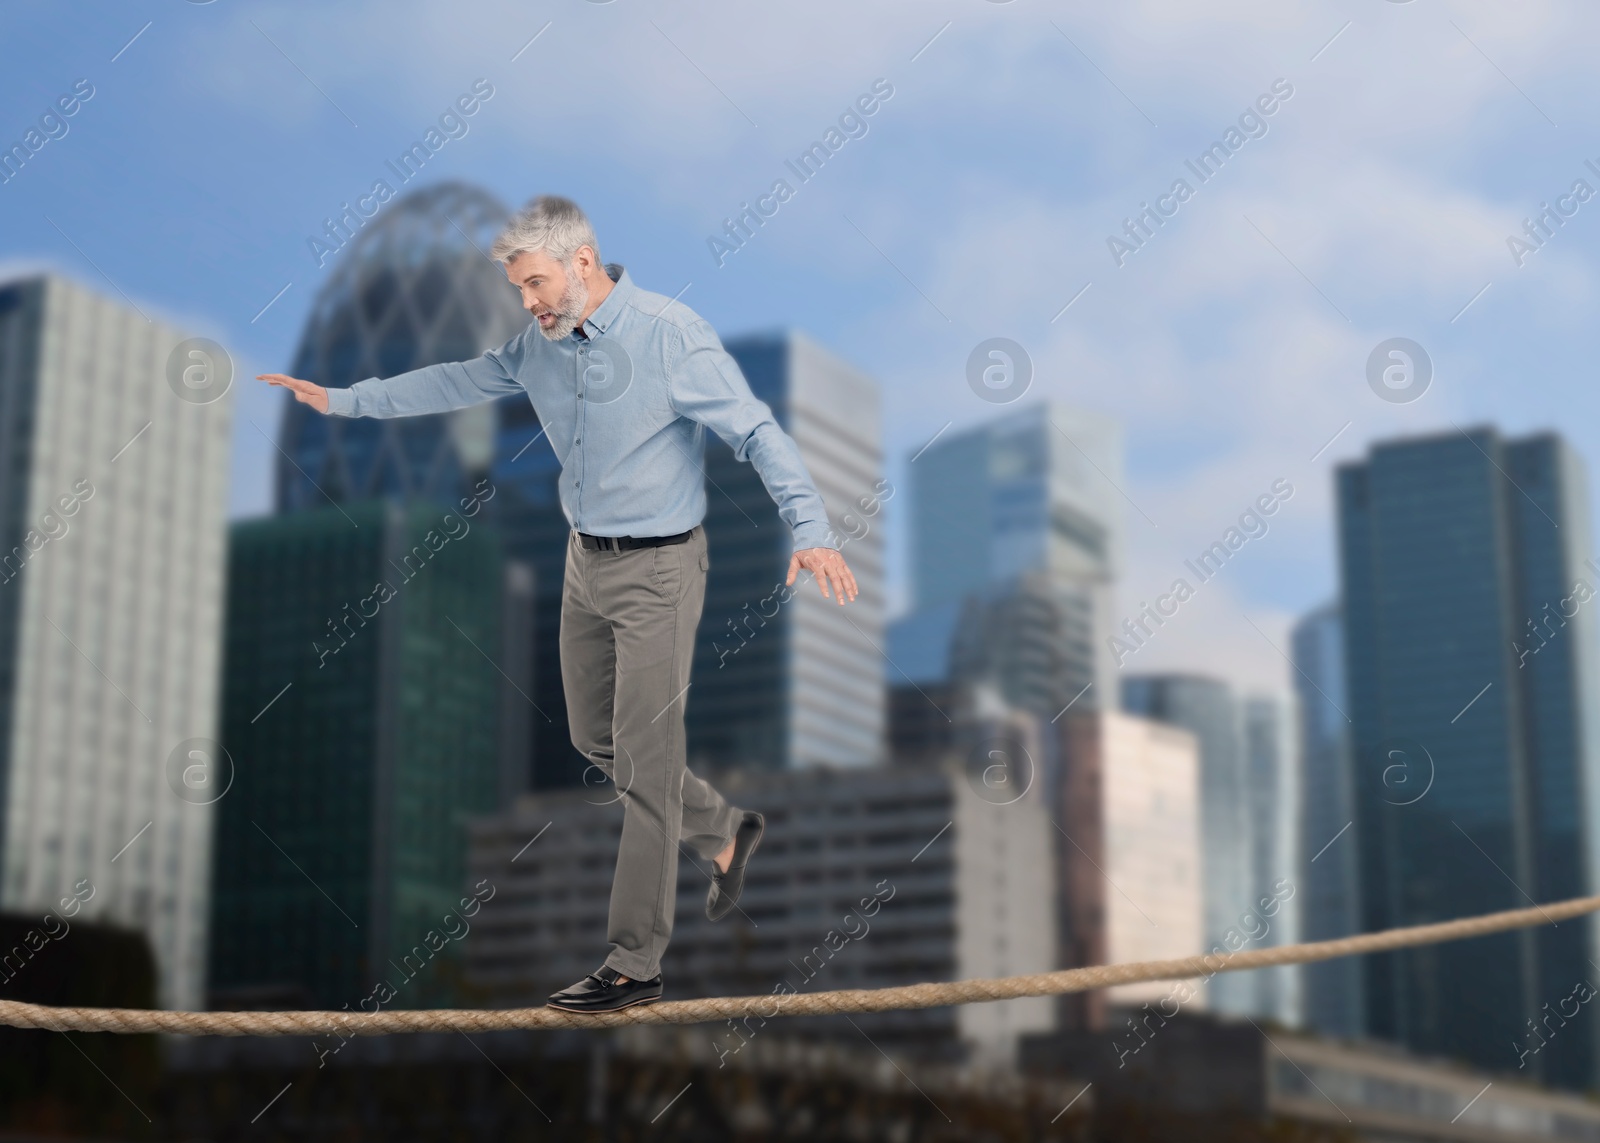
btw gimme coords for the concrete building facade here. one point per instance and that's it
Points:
(114, 444)
(1128, 808)
(865, 879)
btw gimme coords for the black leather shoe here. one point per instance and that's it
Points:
(726, 887)
(600, 992)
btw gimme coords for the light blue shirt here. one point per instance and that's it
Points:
(625, 401)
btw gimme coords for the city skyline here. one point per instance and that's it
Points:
(1199, 398)
(1189, 645)
(1543, 480)
(1228, 367)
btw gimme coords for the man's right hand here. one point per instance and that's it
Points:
(304, 391)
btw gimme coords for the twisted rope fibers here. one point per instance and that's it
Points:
(930, 995)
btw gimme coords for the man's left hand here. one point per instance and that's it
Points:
(830, 570)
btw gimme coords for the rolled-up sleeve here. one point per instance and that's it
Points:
(433, 388)
(705, 384)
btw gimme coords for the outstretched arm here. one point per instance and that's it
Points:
(706, 385)
(431, 389)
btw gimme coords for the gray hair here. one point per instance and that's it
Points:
(549, 223)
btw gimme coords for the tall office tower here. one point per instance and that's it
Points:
(360, 713)
(1014, 553)
(414, 288)
(1272, 768)
(784, 678)
(1470, 628)
(1327, 861)
(113, 493)
(1129, 881)
(1027, 640)
(411, 289)
(1206, 708)
(1018, 642)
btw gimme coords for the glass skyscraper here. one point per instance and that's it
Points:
(1272, 772)
(780, 685)
(414, 288)
(360, 710)
(1470, 627)
(1015, 548)
(1207, 708)
(1329, 906)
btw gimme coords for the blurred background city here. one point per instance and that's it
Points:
(1207, 426)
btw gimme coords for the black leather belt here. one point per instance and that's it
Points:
(629, 543)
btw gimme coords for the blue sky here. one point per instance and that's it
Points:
(1232, 347)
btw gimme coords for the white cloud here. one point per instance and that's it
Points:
(1412, 145)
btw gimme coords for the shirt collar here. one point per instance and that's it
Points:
(606, 313)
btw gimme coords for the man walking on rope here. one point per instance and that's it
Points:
(625, 382)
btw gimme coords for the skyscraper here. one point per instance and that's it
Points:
(114, 441)
(1014, 528)
(1470, 627)
(1206, 708)
(1330, 907)
(783, 677)
(1272, 769)
(361, 709)
(412, 289)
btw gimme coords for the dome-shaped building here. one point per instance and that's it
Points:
(414, 288)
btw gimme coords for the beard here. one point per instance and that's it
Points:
(568, 311)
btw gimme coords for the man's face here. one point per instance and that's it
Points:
(551, 292)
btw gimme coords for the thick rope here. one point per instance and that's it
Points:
(933, 995)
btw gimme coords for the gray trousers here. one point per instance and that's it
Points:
(628, 624)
